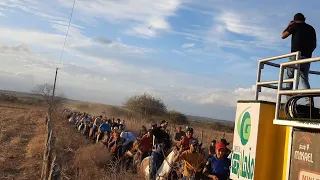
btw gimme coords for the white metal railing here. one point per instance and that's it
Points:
(268, 84)
(266, 61)
(295, 90)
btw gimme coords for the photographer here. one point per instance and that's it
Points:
(304, 40)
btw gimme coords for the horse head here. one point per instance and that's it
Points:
(167, 166)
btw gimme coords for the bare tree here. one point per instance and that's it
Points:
(45, 91)
(146, 105)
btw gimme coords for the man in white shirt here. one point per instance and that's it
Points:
(129, 139)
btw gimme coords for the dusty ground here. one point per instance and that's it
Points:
(22, 134)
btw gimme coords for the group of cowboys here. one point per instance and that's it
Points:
(156, 142)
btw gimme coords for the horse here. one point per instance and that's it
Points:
(165, 169)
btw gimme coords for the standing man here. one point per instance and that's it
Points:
(304, 40)
(162, 143)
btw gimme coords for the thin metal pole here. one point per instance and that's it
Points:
(278, 103)
(258, 80)
(296, 72)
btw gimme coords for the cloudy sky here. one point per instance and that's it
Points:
(199, 56)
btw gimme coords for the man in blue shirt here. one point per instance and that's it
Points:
(218, 166)
(105, 127)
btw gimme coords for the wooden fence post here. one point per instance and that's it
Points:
(46, 156)
(201, 135)
(54, 169)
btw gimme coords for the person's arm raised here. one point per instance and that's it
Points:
(288, 30)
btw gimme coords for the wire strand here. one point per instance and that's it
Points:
(67, 33)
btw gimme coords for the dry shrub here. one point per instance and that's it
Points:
(82, 106)
(36, 145)
(15, 140)
(90, 162)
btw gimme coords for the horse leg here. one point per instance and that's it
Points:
(90, 132)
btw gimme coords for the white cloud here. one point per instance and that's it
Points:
(188, 45)
(145, 22)
(55, 41)
(241, 23)
(148, 18)
(229, 98)
(99, 74)
(62, 27)
(178, 52)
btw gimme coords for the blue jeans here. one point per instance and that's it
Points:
(156, 161)
(304, 74)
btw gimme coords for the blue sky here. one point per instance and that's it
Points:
(199, 56)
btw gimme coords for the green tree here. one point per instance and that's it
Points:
(146, 105)
(177, 117)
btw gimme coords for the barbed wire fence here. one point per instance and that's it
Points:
(50, 166)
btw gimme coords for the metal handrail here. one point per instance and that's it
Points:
(279, 57)
(296, 80)
(266, 61)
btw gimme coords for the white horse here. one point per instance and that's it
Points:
(165, 168)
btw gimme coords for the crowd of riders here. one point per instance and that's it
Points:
(213, 163)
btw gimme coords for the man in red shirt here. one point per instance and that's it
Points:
(185, 141)
(145, 145)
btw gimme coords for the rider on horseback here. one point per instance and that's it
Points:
(97, 122)
(128, 137)
(162, 143)
(145, 145)
(193, 160)
(105, 127)
(115, 146)
(184, 143)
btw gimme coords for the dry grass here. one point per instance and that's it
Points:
(35, 147)
(91, 161)
(18, 127)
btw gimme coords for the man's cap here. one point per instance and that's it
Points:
(214, 141)
(220, 145)
(194, 141)
(299, 17)
(150, 130)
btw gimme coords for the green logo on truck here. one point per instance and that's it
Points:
(244, 126)
(243, 162)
